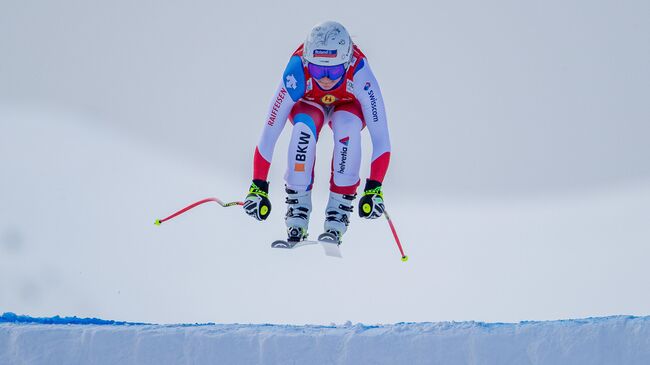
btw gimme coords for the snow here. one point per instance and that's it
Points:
(604, 340)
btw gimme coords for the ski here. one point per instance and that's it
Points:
(331, 244)
(331, 248)
(290, 245)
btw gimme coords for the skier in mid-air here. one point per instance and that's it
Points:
(327, 81)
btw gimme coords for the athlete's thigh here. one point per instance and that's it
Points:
(307, 119)
(346, 159)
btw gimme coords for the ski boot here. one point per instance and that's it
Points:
(337, 217)
(297, 217)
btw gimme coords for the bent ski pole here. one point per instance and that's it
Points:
(392, 228)
(193, 205)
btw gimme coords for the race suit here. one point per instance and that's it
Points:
(353, 103)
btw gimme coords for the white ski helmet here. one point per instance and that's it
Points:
(328, 44)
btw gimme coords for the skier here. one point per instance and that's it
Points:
(327, 81)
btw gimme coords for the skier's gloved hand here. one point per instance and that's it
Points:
(371, 204)
(257, 203)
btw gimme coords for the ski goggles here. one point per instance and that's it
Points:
(331, 72)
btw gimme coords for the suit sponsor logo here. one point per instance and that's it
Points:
(301, 151)
(276, 106)
(328, 99)
(373, 103)
(343, 154)
(350, 86)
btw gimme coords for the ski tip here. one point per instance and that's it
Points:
(157, 222)
(280, 244)
(405, 258)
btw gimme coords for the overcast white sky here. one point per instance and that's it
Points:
(520, 146)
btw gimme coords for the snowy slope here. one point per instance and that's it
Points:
(593, 341)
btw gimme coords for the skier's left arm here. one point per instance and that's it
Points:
(291, 89)
(368, 93)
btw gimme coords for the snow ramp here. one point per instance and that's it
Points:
(621, 340)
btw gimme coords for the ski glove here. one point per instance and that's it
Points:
(371, 204)
(257, 203)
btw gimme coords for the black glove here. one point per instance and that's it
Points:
(371, 204)
(257, 203)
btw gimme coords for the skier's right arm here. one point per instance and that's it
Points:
(290, 90)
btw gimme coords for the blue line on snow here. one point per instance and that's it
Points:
(10, 317)
(14, 318)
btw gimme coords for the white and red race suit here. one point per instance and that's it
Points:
(354, 103)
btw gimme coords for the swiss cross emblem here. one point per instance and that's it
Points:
(291, 83)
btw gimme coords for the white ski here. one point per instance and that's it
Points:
(331, 244)
(291, 245)
(331, 248)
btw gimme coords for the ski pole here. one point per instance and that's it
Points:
(193, 205)
(392, 228)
